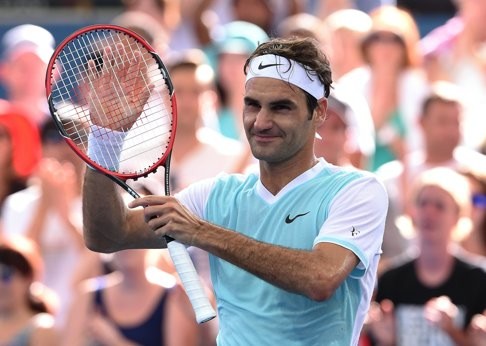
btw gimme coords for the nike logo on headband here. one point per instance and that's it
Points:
(261, 66)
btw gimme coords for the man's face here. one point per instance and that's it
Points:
(24, 75)
(441, 126)
(191, 94)
(276, 120)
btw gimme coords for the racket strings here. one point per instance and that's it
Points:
(76, 92)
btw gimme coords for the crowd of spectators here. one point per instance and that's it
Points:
(406, 104)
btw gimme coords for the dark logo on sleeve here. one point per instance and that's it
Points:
(354, 232)
(262, 66)
(289, 219)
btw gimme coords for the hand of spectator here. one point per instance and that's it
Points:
(477, 330)
(381, 322)
(441, 312)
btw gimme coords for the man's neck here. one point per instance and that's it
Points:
(276, 176)
(437, 158)
(434, 265)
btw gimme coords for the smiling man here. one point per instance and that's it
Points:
(293, 248)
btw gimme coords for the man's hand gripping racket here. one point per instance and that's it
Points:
(113, 101)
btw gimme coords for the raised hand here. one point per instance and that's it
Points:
(119, 91)
(381, 322)
(441, 312)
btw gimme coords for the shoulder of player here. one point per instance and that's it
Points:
(356, 177)
(224, 179)
(197, 194)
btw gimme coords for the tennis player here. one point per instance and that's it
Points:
(293, 248)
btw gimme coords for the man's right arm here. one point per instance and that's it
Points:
(109, 225)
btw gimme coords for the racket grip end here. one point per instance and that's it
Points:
(191, 282)
(205, 316)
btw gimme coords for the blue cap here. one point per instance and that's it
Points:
(240, 37)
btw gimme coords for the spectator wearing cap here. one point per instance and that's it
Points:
(48, 211)
(347, 133)
(19, 150)
(26, 318)
(26, 51)
(231, 48)
(333, 133)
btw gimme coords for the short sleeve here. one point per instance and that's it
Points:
(195, 196)
(356, 220)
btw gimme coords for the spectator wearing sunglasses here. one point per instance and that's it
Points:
(475, 241)
(24, 311)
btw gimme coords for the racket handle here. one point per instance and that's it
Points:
(191, 282)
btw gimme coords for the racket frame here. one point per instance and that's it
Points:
(164, 159)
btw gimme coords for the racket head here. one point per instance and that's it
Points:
(70, 93)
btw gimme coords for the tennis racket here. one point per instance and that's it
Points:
(107, 87)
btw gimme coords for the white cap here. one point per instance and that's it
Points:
(349, 19)
(28, 38)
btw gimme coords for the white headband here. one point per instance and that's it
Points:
(288, 70)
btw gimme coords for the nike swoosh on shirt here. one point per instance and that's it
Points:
(289, 219)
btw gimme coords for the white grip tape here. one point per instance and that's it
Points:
(191, 282)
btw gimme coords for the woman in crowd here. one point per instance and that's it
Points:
(136, 304)
(392, 82)
(25, 318)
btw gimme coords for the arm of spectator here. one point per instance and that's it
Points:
(74, 331)
(57, 195)
(181, 328)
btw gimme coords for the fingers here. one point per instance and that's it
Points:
(150, 200)
(387, 307)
